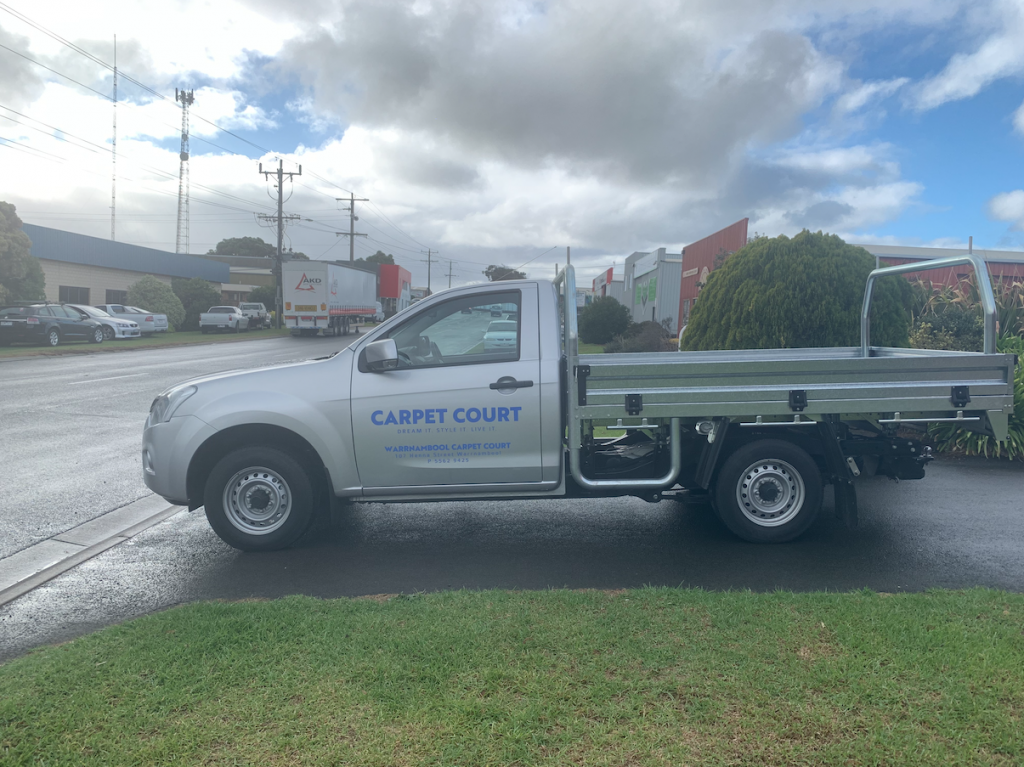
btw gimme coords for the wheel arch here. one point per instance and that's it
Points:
(210, 452)
(808, 440)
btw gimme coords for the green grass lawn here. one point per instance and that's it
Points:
(646, 677)
(154, 341)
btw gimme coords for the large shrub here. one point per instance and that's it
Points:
(152, 295)
(949, 437)
(264, 294)
(196, 296)
(647, 336)
(801, 292)
(602, 320)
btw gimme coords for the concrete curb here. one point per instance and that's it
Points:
(29, 568)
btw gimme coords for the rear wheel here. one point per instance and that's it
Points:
(768, 491)
(259, 499)
(53, 337)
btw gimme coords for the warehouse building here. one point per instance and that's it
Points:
(90, 270)
(700, 259)
(1002, 264)
(395, 288)
(652, 286)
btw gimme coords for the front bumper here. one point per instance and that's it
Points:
(167, 450)
(122, 332)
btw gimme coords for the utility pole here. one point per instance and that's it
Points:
(352, 218)
(449, 274)
(280, 224)
(429, 252)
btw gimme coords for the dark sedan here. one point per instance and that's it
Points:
(47, 324)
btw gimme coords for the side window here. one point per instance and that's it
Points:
(46, 311)
(471, 330)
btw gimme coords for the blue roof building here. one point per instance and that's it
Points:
(91, 270)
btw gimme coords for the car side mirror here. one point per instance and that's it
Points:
(382, 355)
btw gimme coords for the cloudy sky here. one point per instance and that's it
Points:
(502, 131)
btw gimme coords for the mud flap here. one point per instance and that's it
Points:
(839, 473)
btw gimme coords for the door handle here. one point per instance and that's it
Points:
(507, 382)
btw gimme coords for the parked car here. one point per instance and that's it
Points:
(223, 318)
(47, 324)
(149, 322)
(113, 327)
(257, 314)
(500, 335)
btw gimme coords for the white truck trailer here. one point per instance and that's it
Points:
(326, 297)
(421, 409)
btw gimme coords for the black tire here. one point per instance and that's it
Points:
(248, 477)
(52, 337)
(97, 335)
(768, 491)
(108, 333)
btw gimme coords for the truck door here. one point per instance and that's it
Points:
(463, 405)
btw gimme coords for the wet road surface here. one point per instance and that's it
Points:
(71, 439)
(961, 526)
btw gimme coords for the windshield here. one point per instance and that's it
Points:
(92, 311)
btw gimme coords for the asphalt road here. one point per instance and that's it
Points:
(71, 426)
(70, 450)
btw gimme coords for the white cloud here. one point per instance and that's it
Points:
(1008, 206)
(864, 94)
(1000, 55)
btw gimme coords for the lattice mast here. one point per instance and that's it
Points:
(186, 99)
(113, 152)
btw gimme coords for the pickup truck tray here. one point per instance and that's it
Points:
(783, 382)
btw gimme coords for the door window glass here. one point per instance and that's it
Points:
(463, 331)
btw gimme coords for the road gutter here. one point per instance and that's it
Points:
(30, 568)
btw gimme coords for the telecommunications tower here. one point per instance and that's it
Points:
(186, 98)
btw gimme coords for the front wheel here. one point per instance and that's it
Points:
(259, 499)
(108, 333)
(768, 491)
(97, 336)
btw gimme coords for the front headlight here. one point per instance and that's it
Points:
(163, 407)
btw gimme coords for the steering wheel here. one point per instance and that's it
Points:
(436, 353)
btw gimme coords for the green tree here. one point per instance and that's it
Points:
(196, 296)
(801, 292)
(379, 258)
(498, 273)
(264, 294)
(602, 320)
(254, 247)
(21, 276)
(151, 294)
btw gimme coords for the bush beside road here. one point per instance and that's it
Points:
(653, 676)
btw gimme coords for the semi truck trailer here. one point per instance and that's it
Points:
(326, 297)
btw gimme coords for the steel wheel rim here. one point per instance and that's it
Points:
(770, 492)
(257, 500)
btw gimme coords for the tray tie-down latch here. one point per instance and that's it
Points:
(634, 404)
(960, 396)
(797, 400)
